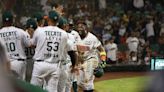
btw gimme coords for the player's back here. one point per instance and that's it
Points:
(50, 43)
(15, 40)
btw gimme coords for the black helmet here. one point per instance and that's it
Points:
(98, 72)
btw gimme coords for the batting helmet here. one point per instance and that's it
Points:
(98, 72)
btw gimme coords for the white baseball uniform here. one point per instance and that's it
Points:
(63, 85)
(72, 77)
(87, 48)
(51, 47)
(16, 40)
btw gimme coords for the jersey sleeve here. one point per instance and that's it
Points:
(26, 39)
(97, 43)
(71, 46)
(77, 38)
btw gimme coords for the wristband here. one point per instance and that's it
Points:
(103, 56)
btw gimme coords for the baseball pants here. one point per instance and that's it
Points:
(86, 78)
(29, 68)
(71, 78)
(19, 67)
(46, 72)
(62, 79)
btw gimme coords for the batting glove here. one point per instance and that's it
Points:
(102, 64)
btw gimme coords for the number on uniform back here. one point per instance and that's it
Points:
(52, 46)
(10, 47)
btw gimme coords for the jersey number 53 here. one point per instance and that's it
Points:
(52, 46)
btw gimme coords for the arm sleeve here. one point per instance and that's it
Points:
(97, 43)
(71, 46)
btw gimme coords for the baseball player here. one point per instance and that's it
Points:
(87, 49)
(51, 48)
(73, 77)
(15, 40)
(65, 76)
(31, 26)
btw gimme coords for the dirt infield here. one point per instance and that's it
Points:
(117, 75)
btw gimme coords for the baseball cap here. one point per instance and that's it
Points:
(53, 15)
(38, 16)
(62, 21)
(31, 23)
(7, 16)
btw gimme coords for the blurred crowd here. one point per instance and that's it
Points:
(132, 31)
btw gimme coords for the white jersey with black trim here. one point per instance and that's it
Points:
(15, 40)
(51, 44)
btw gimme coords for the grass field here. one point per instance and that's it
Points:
(135, 84)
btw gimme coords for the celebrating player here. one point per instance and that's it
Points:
(87, 49)
(15, 40)
(65, 82)
(51, 48)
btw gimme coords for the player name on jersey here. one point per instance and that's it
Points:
(52, 33)
(9, 35)
(51, 55)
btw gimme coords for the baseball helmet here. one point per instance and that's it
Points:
(98, 72)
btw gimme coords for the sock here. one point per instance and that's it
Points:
(74, 85)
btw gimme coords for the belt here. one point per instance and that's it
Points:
(88, 58)
(21, 59)
(39, 60)
(48, 62)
